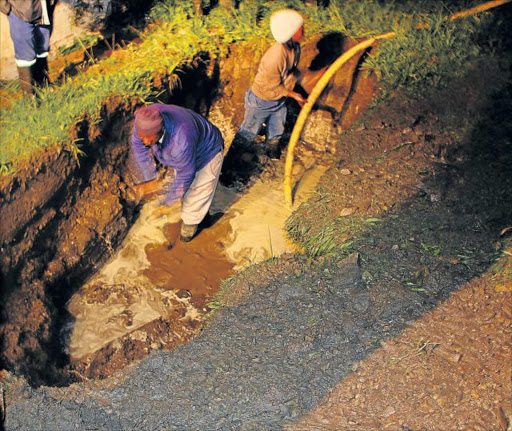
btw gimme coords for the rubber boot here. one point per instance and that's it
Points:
(273, 150)
(40, 74)
(241, 150)
(25, 78)
(241, 143)
(187, 232)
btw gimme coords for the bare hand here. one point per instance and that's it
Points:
(147, 190)
(159, 212)
(300, 100)
(133, 194)
(165, 211)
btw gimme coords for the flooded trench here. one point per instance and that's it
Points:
(153, 293)
(113, 283)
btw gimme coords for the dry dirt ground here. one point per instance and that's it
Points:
(449, 371)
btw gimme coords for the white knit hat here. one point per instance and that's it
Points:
(284, 24)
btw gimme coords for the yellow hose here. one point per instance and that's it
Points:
(324, 80)
(479, 8)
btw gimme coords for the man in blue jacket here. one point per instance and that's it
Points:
(179, 138)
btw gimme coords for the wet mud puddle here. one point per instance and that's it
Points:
(153, 292)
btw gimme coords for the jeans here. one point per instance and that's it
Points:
(30, 41)
(259, 111)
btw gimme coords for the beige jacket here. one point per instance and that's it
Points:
(277, 72)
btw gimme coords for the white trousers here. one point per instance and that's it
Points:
(197, 200)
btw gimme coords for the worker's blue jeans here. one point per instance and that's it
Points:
(30, 41)
(259, 111)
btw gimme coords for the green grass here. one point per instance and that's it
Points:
(326, 238)
(411, 61)
(86, 41)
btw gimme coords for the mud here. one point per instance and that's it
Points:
(197, 276)
(152, 294)
(259, 219)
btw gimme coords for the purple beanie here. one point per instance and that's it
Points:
(148, 121)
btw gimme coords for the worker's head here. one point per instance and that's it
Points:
(149, 124)
(287, 24)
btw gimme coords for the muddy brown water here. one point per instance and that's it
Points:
(153, 276)
(194, 269)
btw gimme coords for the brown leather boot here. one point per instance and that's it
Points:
(25, 78)
(187, 232)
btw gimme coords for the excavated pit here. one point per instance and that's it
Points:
(67, 231)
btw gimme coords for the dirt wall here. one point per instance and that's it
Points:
(61, 219)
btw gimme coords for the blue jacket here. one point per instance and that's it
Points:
(188, 144)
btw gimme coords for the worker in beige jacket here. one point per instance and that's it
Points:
(274, 82)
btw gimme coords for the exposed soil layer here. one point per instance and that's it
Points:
(61, 220)
(53, 236)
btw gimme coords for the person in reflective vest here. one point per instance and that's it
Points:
(30, 29)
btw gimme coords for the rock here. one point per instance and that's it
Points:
(320, 132)
(183, 293)
(388, 412)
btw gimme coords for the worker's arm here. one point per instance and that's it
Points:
(144, 159)
(147, 189)
(143, 170)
